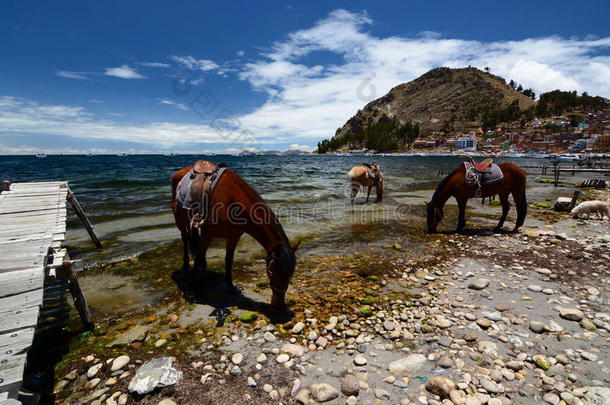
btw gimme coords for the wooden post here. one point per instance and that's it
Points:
(67, 272)
(81, 214)
(6, 186)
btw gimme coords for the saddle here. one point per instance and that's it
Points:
(484, 166)
(482, 174)
(194, 191)
(373, 171)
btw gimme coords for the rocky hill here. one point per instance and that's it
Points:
(441, 101)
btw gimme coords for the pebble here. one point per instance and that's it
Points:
(298, 328)
(359, 361)
(478, 284)
(120, 362)
(551, 398)
(570, 314)
(93, 370)
(534, 288)
(323, 392)
(237, 358)
(440, 386)
(445, 362)
(261, 358)
(350, 385)
(536, 327)
(282, 358)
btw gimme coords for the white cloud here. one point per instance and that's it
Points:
(124, 72)
(155, 64)
(306, 102)
(190, 63)
(240, 53)
(72, 75)
(23, 117)
(95, 101)
(309, 102)
(178, 106)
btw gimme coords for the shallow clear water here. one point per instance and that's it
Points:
(128, 197)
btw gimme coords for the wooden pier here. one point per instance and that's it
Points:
(32, 230)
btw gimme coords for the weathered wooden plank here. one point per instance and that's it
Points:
(14, 343)
(32, 237)
(31, 221)
(19, 234)
(9, 401)
(21, 301)
(18, 215)
(18, 319)
(11, 371)
(16, 282)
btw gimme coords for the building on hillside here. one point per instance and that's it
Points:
(466, 144)
(578, 146)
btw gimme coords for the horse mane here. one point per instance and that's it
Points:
(257, 199)
(442, 184)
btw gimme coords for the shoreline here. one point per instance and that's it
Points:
(406, 297)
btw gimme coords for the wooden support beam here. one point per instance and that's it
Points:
(81, 215)
(67, 272)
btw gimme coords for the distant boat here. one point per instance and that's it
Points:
(169, 154)
(343, 154)
(122, 154)
(41, 155)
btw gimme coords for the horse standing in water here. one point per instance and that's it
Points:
(232, 209)
(366, 175)
(459, 185)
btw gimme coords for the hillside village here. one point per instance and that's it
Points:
(447, 110)
(555, 134)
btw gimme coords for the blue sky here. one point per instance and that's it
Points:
(189, 76)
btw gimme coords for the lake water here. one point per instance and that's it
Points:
(128, 197)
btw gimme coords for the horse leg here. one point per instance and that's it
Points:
(505, 209)
(231, 245)
(521, 203)
(368, 194)
(185, 251)
(355, 188)
(201, 265)
(461, 214)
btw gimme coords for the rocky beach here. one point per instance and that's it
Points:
(407, 318)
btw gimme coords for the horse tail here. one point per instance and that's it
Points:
(521, 200)
(521, 211)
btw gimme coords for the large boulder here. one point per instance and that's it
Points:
(154, 374)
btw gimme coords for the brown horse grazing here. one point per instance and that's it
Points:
(455, 185)
(234, 209)
(367, 175)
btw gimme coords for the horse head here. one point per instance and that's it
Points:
(281, 262)
(434, 217)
